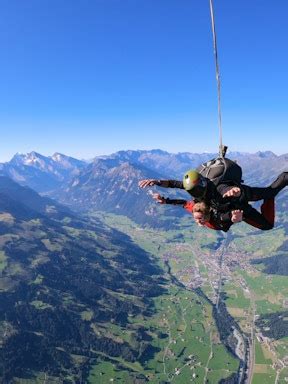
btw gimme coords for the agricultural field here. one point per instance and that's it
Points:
(196, 257)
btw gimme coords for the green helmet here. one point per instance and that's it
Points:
(195, 183)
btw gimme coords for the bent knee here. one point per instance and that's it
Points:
(267, 227)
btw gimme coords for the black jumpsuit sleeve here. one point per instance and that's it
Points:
(175, 184)
(225, 217)
(242, 199)
(175, 201)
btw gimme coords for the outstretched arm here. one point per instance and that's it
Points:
(162, 200)
(160, 183)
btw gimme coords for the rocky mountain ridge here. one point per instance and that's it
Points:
(40, 172)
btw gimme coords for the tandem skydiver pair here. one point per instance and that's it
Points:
(220, 198)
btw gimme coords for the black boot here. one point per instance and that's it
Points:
(281, 182)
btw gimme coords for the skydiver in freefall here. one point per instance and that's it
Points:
(225, 203)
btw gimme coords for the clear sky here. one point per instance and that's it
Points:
(93, 77)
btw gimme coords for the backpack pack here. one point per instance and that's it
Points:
(221, 170)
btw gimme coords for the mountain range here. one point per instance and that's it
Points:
(110, 183)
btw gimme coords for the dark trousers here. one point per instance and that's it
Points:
(265, 219)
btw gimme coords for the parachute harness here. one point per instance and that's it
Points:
(222, 149)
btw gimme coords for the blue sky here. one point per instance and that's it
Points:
(93, 77)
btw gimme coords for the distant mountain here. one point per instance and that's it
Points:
(259, 167)
(111, 185)
(40, 172)
(63, 282)
(169, 165)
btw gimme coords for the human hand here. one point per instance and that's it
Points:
(147, 183)
(233, 192)
(158, 198)
(236, 216)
